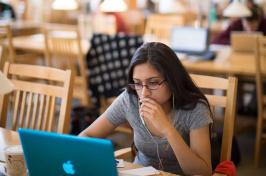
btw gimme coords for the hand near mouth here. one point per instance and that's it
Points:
(153, 112)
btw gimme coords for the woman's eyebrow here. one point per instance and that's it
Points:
(147, 78)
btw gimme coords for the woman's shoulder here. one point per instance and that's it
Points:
(195, 108)
(127, 98)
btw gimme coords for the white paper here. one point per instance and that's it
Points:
(142, 171)
(121, 163)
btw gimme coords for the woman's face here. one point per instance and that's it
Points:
(145, 74)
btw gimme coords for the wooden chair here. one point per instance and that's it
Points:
(63, 51)
(260, 53)
(2, 56)
(161, 25)
(6, 39)
(134, 21)
(228, 102)
(104, 24)
(34, 105)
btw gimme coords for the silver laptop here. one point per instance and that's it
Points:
(243, 41)
(191, 41)
(60, 154)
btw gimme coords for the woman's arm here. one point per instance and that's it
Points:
(100, 128)
(195, 160)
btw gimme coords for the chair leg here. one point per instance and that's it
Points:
(258, 140)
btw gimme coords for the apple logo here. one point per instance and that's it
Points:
(68, 168)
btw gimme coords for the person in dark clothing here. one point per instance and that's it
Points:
(256, 22)
(251, 3)
(5, 8)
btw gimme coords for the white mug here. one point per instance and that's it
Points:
(15, 162)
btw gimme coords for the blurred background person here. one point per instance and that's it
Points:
(6, 11)
(256, 22)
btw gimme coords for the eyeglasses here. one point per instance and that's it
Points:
(150, 86)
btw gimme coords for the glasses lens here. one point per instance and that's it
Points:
(153, 86)
(138, 86)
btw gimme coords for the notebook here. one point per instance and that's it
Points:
(244, 41)
(191, 41)
(49, 153)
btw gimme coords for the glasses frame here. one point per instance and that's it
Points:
(147, 86)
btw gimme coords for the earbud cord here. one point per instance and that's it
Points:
(157, 147)
(160, 163)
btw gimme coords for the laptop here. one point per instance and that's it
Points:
(191, 41)
(243, 41)
(49, 153)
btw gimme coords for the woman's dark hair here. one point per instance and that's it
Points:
(165, 61)
(256, 14)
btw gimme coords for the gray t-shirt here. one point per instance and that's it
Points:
(125, 108)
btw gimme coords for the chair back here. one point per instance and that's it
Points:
(227, 101)
(134, 21)
(34, 104)
(6, 40)
(104, 24)
(161, 25)
(260, 59)
(63, 51)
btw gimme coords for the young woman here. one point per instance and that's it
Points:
(169, 115)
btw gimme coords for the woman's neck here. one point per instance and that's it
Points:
(167, 108)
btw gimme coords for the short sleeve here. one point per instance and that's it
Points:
(199, 117)
(116, 112)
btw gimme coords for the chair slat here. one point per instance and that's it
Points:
(35, 109)
(15, 114)
(46, 114)
(41, 110)
(22, 109)
(29, 108)
(52, 112)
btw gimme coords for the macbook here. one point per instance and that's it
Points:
(191, 41)
(49, 153)
(244, 41)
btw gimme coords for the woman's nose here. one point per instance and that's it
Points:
(145, 91)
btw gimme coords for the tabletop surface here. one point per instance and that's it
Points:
(226, 61)
(35, 43)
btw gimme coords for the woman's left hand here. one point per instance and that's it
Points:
(153, 112)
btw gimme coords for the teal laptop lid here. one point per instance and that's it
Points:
(49, 153)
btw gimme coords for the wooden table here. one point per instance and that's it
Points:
(22, 27)
(8, 137)
(35, 44)
(226, 62)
